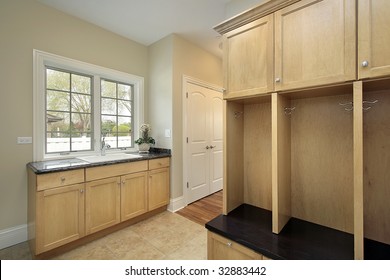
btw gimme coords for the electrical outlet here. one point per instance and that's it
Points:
(24, 140)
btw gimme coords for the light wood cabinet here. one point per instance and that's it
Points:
(315, 44)
(221, 248)
(61, 211)
(328, 132)
(59, 216)
(248, 59)
(158, 185)
(134, 195)
(102, 204)
(158, 190)
(374, 38)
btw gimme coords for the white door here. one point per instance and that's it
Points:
(204, 132)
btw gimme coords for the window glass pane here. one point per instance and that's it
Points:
(57, 80)
(108, 89)
(57, 122)
(124, 108)
(81, 84)
(57, 101)
(108, 106)
(57, 142)
(81, 103)
(81, 141)
(81, 122)
(125, 91)
(108, 125)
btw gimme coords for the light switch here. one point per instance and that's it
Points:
(167, 133)
(24, 140)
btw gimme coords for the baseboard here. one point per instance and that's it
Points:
(13, 236)
(176, 204)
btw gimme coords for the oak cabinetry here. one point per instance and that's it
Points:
(221, 248)
(158, 186)
(134, 195)
(328, 132)
(374, 38)
(315, 44)
(102, 204)
(248, 59)
(59, 216)
(61, 211)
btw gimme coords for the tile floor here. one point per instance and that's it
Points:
(166, 236)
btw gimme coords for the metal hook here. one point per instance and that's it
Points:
(288, 111)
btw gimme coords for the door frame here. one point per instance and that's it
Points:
(185, 81)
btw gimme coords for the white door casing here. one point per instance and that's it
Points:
(203, 154)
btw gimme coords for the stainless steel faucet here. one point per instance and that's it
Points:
(104, 147)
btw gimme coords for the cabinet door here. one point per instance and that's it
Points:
(158, 190)
(59, 217)
(221, 248)
(315, 44)
(248, 59)
(134, 195)
(374, 38)
(102, 204)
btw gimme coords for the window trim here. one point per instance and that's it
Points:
(40, 61)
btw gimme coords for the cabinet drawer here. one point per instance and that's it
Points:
(158, 163)
(59, 179)
(100, 172)
(221, 248)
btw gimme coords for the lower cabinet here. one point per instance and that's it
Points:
(59, 216)
(221, 248)
(158, 190)
(102, 204)
(134, 195)
(61, 211)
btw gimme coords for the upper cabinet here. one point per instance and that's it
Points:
(315, 44)
(248, 59)
(374, 38)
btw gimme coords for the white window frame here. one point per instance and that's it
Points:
(43, 59)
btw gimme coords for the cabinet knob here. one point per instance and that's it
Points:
(277, 80)
(212, 147)
(365, 63)
(229, 244)
(207, 147)
(81, 191)
(62, 179)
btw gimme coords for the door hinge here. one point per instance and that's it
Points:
(188, 185)
(187, 94)
(187, 139)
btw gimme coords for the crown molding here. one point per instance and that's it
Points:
(266, 8)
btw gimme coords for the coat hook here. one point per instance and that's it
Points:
(288, 111)
(238, 114)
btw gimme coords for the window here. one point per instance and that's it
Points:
(68, 111)
(116, 112)
(77, 104)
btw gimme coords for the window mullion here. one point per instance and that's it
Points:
(96, 112)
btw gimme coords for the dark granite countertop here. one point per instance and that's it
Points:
(299, 240)
(41, 167)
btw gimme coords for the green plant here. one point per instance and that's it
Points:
(144, 135)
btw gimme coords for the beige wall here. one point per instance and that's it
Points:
(170, 59)
(26, 25)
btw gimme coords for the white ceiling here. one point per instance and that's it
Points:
(147, 21)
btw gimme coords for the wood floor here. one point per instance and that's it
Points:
(203, 210)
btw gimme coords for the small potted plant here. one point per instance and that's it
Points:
(145, 139)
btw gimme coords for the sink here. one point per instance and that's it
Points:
(108, 157)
